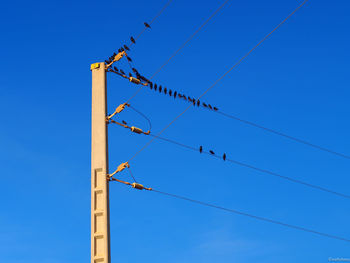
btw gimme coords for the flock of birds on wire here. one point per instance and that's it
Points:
(146, 82)
(154, 86)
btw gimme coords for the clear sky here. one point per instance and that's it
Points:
(297, 82)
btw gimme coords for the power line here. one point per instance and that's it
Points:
(220, 78)
(253, 216)
(265, 171)
(283, 135)
(181, 47)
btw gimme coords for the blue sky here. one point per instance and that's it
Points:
(296, 82)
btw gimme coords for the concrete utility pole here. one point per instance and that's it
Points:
(100, 236)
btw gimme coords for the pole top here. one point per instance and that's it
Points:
(95, 65)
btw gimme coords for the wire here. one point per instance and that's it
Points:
(152, 21)
(284, 135)
(257, 168)
(220, 78)
(144, 116)
(181, 47)
(132, 176)
(253, 216)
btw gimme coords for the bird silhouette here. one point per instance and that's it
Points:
(122, 49)
(210, 107)
(129, 59)
(211, 152)
(170, 92)
(175, 93)
(200, 149)
(205, 105)
(124, 122)
(155, 86)
(115, 68)
(135, 70)
(151, 85)
(126, 48)
(160, 88)
(224, 157)
(132, 40)
(216, 109)
(130, 75)
(198, 103)
(165, 90)
(147, 25)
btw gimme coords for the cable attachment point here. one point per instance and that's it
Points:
(133, 185)
(120, 168)
(139, 131)
(117, 57)
(140, 187)
(134, 80)
(119, 109)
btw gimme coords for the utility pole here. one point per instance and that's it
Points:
(100, 234)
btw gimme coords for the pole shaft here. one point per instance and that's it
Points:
(100, 236)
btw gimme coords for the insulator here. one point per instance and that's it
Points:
(134, 80)
(136, 130)
(137, 186)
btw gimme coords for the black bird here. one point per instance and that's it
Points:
(216, 109)
(129, 59)
(200, 149)
(210, 107)
(126, 48)
(224, 157)
(119, 50)
(147, 25)
(124, 122)
(115, 68)
(212, 152)
(132, 40)
(205, 105)
(165, 90)
(160, 88)
(198, 103)
(155, 86)
(122, 49)
(175, 93)
(130, 75)
(151, 85)
(106, 61)
(135, 70)
(194, 102)
(170, 92)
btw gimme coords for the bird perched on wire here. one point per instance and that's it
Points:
(212, 152)
(175, 93)
(160, 88)
(204, 105)
(151, 85)
(155, 86)
(165, 90)
(126, 47)
(130, 75)
(132, 40)
(224, 157)
(170, 92)
(216, 109)
(200, 149)
(129, 59)
(210, 107)
(115, 68)
(147, 25)
(124, 122)
(198, 103)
